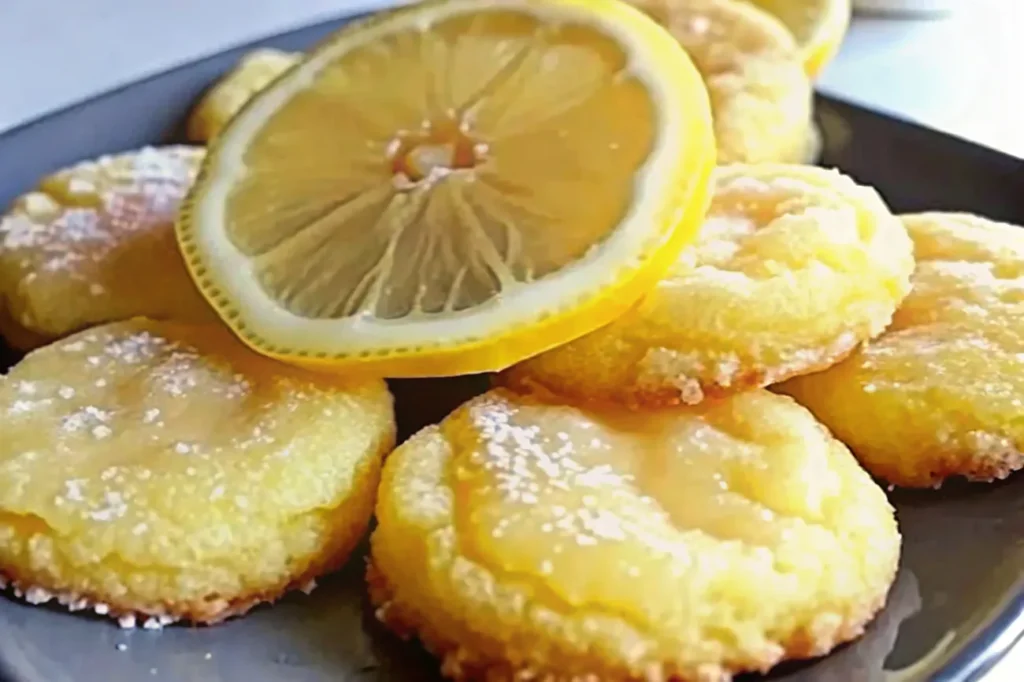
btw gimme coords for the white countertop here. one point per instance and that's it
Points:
(963, 74)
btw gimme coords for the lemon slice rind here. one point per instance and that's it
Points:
(819, 27)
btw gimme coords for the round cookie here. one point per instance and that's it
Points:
(761, 97)
(940, 393)
(526, 539)
(163, 471)
(255, 71)
(793, 268)
(95, 243)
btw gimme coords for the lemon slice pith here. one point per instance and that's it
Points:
(453, 186)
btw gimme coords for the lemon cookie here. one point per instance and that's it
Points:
(941, 392)
(793, 267)
(255, 71)
(524, 539)
(163, 471)
(95, 243)
(761, 98)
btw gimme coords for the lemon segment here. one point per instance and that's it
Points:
(819, 27)
(453, 186)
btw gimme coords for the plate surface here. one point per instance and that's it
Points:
(957, 606)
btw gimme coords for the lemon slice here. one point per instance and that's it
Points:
(818, 25)
(254, 71)
(454, 186)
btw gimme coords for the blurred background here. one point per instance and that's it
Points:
(960, 71)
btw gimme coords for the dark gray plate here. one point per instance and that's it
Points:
(957, 607)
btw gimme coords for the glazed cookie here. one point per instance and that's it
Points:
(161, 471)
(526, 539)
(760, 93)
(793, 267)
(95, 243)
(941, 392)
(255, 71)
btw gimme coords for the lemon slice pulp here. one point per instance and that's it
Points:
(454, 186)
